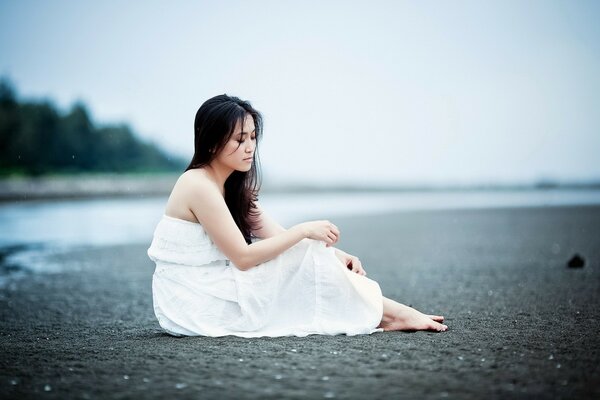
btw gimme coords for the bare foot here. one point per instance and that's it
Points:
(407, 318)
(437, 318)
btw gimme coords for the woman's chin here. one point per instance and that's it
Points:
(245, 168)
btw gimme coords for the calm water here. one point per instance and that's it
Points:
(32, 230)
(121, 221)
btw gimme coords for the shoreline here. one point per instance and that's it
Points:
(150, 184)
(86, 186)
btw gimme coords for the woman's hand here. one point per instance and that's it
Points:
(351, 262)
(324, 231)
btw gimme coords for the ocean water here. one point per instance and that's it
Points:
(33, 230)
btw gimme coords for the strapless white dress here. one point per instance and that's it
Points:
(306, 290)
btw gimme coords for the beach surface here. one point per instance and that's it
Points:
(521, 323)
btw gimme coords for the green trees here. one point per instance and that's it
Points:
(36, 139)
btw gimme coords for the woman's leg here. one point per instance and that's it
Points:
(398, 317)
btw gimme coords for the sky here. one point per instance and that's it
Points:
(365, 92)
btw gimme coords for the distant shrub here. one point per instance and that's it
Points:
(37, 139)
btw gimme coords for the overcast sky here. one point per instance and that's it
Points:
(390, 92)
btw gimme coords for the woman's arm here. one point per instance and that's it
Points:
(267, 226)
(210, 209)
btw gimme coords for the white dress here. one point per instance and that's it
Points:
(305, 290)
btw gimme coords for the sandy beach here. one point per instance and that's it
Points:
(522, 324)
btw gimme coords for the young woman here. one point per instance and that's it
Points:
(223, 267)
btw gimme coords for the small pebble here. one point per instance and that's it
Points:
(125, 377)
(329, 395)
(13, 382)
(483, 360)
(550, 357)
(576, 262)
(278, 377)
(325, 378)
(146, 380)
(558, 365)
(294, 350)
(47, 388)
(241, 360)
(461, 358)
(180, 385)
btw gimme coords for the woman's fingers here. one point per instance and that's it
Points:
(324, 231)
(354, 264)
(335, 230)
(357, 266)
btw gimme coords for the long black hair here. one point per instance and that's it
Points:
(214, 125)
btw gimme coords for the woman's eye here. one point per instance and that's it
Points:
(242, 140)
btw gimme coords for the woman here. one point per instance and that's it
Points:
(223, 267)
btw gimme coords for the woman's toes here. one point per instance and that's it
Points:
(436, 318)
(440, 327)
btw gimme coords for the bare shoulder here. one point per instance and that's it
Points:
(193, 189)
(192, 179)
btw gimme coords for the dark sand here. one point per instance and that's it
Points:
(522, 325)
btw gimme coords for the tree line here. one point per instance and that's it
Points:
(37, 139)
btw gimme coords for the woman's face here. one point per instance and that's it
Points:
(238, 153)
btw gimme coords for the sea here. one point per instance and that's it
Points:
(32, 231)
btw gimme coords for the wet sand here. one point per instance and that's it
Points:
(522, 324)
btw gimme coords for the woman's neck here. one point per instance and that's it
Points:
(219, 173)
